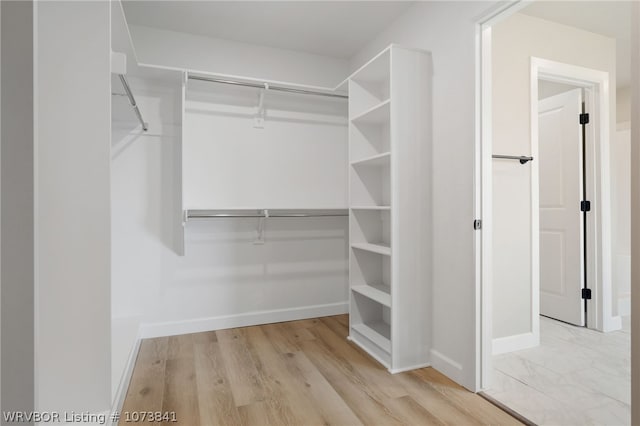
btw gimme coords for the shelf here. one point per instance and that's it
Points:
(377, 292)
(377, 114)
(381, 208)
(388, 100)
(373, 248)
(378, 332)
(374, 160)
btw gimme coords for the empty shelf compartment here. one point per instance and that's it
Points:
(371, 226)
(368, 140)
(370, 275)
(371, 319)
(371, 84)
(370, 186)
(377, 114)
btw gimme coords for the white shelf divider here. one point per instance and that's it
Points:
(378, 292)
(374, 160)
(376, 114)
(377, 332)
(381, 208)
(373, 248)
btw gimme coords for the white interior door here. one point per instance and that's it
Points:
(561, 221)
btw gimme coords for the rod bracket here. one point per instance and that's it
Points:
(260, 229)
(258, 119)
(521, 158)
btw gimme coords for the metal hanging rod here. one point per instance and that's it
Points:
(263, 213)
(267, 86)
(132, 101)
(521, 158)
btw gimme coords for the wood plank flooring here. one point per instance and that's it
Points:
(293, 373)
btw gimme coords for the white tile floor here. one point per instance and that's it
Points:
(575, 377)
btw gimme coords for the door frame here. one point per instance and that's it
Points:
(587, 99)
(596, 84)
(483, 195)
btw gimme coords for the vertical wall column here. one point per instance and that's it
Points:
(635, 212)
(17, 219)
(72, 194)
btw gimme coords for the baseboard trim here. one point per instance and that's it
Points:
(173, 328)
(446, 366)
(125, 380)
(624, 305)
(514, 343)
(613, 324)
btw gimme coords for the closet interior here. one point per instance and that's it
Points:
(257, 197)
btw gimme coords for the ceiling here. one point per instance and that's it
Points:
(341, 28)
(331, 28)
(608, 18)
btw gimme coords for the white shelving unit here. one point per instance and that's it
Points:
(389, 215)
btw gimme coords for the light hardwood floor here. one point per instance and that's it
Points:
(294, 373)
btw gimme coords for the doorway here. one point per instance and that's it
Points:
(564, 205)
(574, 229)
(520, 267)
(591, 184)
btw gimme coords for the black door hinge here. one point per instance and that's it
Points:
(477, 224)
(584, 118)
(586, 293)
(585, 206)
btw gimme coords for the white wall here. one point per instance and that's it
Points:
(224, 279)
(1, 206)
(515, 41)
(621, 220)
(447, 29)
(17, 207)
(623, 109)
(296, 159)
(621, 203)
(635, 212)
(72, 151)
(187, 51)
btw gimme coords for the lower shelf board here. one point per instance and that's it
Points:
(378, 332)
(382, 249)
(377, 292)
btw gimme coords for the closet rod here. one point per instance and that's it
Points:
(132, 101)
(268, 86)
(521, 158)
(263, 213)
